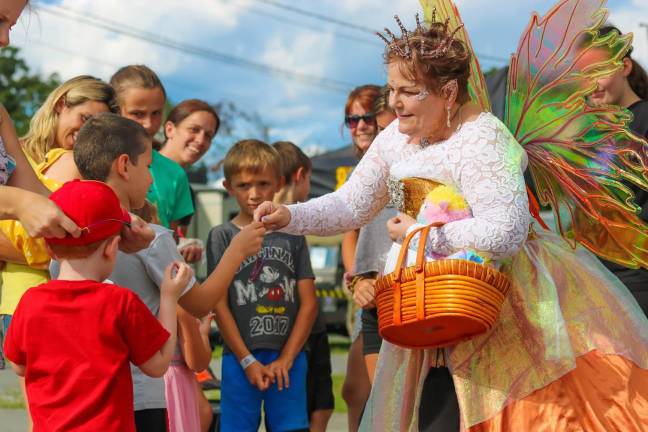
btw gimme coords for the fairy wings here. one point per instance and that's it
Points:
(583, 159)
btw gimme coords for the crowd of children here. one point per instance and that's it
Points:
(79, 312)
(107, 327)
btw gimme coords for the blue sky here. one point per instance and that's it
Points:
(257, 31)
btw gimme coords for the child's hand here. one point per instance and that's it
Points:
(364, 294)
(205, 324)
(176, 277)
(273, 217)
(192, 253)
(279, 370)
(249, 240)
(398, 226)
(258, 375)
(137, 236)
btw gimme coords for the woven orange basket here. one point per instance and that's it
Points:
(438, 303)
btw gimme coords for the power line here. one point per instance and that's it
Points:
(347, 24)
(120, 28)
(315, 15)
(302, 24)
(102, 62)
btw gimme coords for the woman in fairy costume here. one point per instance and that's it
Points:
(570, 349)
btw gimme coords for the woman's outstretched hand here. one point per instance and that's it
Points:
(272, 216)
(42, 218)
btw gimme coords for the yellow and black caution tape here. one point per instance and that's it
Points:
(334, 293)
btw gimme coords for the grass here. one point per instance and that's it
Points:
(11, 398)
(339, 344)
(218, 352)
(340, 405)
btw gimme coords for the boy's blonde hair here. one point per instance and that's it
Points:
(251, 155)
(42, 129)
(135, 76)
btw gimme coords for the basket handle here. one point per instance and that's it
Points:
(420, 257)
(420, 254)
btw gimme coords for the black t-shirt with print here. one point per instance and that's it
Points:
(263, 296)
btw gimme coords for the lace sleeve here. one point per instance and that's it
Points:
(355, 203)
(489, 173)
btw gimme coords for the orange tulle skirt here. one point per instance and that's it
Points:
(604, 393)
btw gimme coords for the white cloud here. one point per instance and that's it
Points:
(75, 47)
(314, 150)
(628, 18)
(290, 112)
(304, 52)
(298, 135)
(373, 13)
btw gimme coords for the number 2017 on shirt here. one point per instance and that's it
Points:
(268, 325)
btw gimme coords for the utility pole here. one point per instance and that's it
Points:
(645, 26)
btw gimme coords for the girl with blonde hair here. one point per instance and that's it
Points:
(55, 125)
(48, 145)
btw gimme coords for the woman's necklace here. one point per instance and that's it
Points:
(425, 141)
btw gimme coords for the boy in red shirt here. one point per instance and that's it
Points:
(73, 338)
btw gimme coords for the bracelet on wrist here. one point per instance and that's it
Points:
(247, 361)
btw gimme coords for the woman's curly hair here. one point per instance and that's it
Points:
(431, 55)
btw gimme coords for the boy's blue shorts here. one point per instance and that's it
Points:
(241, 401)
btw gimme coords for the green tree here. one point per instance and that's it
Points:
(21, 91)
(235, 124)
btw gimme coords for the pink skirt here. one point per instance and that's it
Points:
(182, 399)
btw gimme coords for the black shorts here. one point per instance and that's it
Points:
(151, 420)
(319, 385)
(371, 340)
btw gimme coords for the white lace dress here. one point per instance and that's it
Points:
(481, 160)
(563, 304)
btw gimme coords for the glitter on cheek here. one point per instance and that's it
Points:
(422, 95)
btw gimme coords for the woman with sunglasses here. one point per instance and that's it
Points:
(372, 248)
(360, 119)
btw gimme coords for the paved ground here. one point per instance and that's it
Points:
(14, 420)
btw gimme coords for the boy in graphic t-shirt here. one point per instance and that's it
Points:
(73, 339)
(270, 306)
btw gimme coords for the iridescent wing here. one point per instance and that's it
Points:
(583, 160)
(476, 83)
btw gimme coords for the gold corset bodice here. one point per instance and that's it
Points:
(407, 195)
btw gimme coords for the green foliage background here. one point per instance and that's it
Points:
(22, 91)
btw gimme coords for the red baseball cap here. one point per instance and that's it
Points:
(94, 207)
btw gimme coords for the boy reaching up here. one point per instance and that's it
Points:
(73, 338)
(269, 309)
(117, 151)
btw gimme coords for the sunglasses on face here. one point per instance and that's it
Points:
(352, 121)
